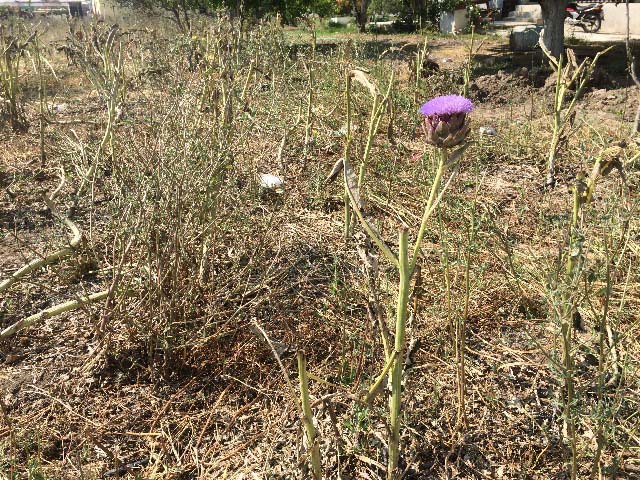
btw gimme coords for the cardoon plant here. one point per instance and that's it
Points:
(446, 125)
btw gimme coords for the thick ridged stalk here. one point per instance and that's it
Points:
(347, 143)
(428, 209)
(395, 403)
(566, 326)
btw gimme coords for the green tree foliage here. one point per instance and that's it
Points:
(289, 10)
(387, 7)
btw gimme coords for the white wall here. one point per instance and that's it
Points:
(454, 22)
(110, 10)
(615, 18)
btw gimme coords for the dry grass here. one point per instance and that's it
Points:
(170, 371)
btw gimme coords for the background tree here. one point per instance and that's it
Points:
(553, 15)
(407, 10)
(386, 7)
(289, 10)
(360, 8)
(179, 9)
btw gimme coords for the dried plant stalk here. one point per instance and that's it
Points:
(52, 312)
(307, 417)
(64, 252)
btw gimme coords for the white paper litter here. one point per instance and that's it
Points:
(270, 181)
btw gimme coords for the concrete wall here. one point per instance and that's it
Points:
(47, 6)
(344, 21)
(454, 22)
(615, 18)
(111, 11)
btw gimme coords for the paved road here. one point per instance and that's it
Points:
(600, 37)
(503, 28)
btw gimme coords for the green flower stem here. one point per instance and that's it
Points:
(377, 385)
(347, 143)
(349, 185)
(566, 325)
(347, 216)
(308, 417)
(379, 105)
(396, 375)
(406, 268)
(558, 101)
(428, 209)
(308, 122)
(373, 127)
(571, 263)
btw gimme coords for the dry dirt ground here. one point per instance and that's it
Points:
(221, 408)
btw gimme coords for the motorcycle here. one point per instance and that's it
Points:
(589, 17)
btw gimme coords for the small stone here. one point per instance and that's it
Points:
(490, 131)
(524, 38)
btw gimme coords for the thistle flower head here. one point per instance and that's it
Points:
(446, 123)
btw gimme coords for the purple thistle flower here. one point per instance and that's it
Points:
(446, 123)
(446, 105)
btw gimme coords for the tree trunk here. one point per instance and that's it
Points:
(361, 8)
(185, 12)
(553, 15)
(632, 70)
(178, 20)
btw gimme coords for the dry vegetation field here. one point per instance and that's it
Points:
(151, 143)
